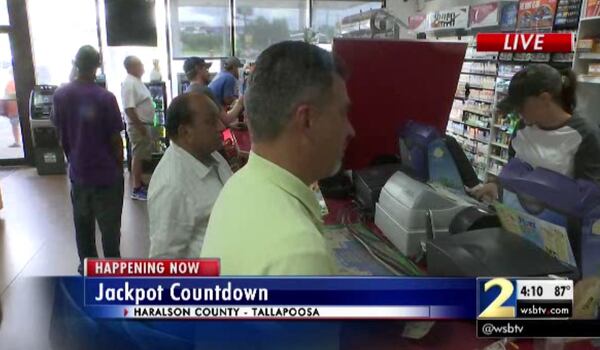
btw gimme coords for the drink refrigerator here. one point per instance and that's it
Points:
(160, 142)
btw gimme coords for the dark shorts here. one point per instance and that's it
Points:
(14, 120)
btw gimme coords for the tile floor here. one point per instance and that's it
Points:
(6, 138)
(37, 239)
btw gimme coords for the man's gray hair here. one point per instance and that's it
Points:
(129, 62)
(287, 74)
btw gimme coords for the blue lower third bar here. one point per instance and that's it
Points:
(436, 298)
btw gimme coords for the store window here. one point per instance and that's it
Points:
(11, 145)
(201, 28)
(55, 41)
(261, 23)
(3, 13)
(328, 15)
(114, 56)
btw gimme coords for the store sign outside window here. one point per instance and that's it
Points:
(592, 8)
(536, 14)
(454, 18)
(418, 23)
(485, 15)
(508, 16)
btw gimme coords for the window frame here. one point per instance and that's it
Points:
(310, 7)
(173, 5)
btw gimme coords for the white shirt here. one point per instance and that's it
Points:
(181, 196)
(551, 149)
(135, 94)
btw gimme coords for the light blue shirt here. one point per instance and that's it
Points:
(224, 86)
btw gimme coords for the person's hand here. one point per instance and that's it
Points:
(586, 298)
(142, 129)
(485, 193)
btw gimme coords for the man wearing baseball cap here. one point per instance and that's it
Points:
(196, 71)
(224, 86)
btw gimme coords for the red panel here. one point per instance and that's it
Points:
(392, 82)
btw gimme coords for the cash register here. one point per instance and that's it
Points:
(425, 202)
(48, 154)
(424, 156)
(550, 226)
(420, 217)
(409, 212)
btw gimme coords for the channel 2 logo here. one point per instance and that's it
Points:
(497, 298)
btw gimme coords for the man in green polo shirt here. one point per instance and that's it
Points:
(266, 220)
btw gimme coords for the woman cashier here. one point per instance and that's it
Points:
(549, 134)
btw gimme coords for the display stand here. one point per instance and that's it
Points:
(588, 56)
(474, 121)
(470, 121)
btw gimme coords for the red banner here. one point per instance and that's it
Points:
(525, 42)
(536, 14)
(593, 8)
(151, 267)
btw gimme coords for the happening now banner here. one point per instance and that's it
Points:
(189, 289)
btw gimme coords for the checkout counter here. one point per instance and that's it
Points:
(424, 210)
(548, 224)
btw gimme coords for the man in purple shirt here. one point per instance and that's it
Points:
(89, 123)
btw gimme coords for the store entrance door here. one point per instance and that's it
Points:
(11, 138)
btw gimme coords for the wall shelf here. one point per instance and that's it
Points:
(489, 115)
(589, 55)
(590, 19)
(502, 160)
(480, 100)
(469, 124)
(466, 137)
(501, 145)
(589, 79)
(480, 87)
(478, 73)
(479, 59)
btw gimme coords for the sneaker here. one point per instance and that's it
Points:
(139, 194)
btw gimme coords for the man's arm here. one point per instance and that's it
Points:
(115, 126)
(116, 143)
(135, 120)
(56, 119)
(587, 162)
(233, 114)
(229, 91)
(129, 104)
(173, 223)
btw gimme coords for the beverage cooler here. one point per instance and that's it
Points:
(160, 142)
